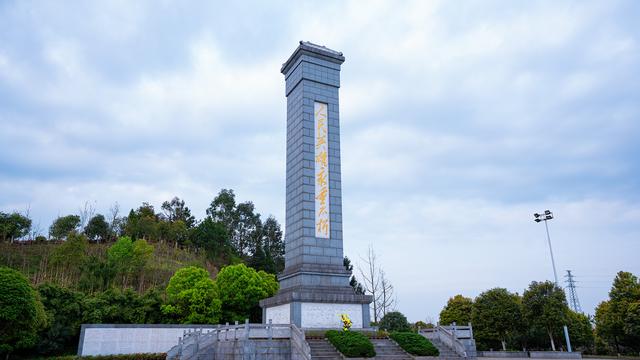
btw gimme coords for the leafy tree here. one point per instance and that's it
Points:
(545, 307)
(243, 225)
(116, 306)
(64, 309)
(273, 243)
(13, 226)
(223, 209)
(618, 319)
(357, 287)
(97, 228)
(129, 257)
(496, 317)
(458, 310)
(175, 210)
(175, 232)
(241, 288)
(63, 225)
(96, 275)
(580, 331)
(192, 297)
(394, 321)
(142, 223)
(21, 312)
(212, 237)
(259, 260)
(71, 254)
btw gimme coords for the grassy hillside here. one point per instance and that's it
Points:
(35, 261)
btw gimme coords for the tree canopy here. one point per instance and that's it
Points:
(496, 316)
(63, 225)
(21, 312)
(241, 288)
(192, 297)
(618, 319)
(545, 307)
(13, 226)
(458, 310)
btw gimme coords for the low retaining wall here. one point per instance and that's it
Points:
(530, 354)
(112, 339)
(555, 355)
(503, 354)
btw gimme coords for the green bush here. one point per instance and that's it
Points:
(351, 343)
(414, 344)
(394, 321)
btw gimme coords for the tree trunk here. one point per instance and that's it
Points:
(553, 345)
(504, 345)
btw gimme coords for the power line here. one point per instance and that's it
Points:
(573, 295)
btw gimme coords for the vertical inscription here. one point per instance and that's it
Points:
(322, 170)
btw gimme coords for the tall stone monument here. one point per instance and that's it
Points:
(314, 286)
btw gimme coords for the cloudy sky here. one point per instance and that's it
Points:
(459, 120)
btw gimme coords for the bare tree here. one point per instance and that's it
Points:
(86, 213)
(370, 275)
(114, 220)
(386, 299)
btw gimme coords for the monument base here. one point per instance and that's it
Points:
(317, 308)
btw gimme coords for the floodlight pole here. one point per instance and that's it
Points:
(548, 215)
(553, 262)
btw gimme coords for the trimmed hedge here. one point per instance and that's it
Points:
(414, 344)
(351, 343)
(158, 356)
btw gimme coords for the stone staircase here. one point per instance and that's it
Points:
(389, 350)
(445, 351)
(321, 349)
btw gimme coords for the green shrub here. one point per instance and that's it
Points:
(394, 321)
(351, 343)
(414, 344)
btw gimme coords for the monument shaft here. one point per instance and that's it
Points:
(314, 286)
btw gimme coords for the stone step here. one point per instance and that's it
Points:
(321, 349)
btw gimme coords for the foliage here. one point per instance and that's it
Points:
(618, 319)
(63, 225)
(97, 228)
(394, 321)
(351, 343)
(414, 344)
(64, 309)
(421, 325)
(192, 297)
(496, 317)
(212, 237)
(247, 234)
(72, 253)
(21, 312)
(273, 244)
(241, 288)
(357, 287)
(142, 223)
(13, 226)
(544, 306)
(175, 210)
(129, 257)
(580, 331)
(123, 307)
(458, 310)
